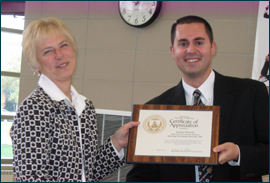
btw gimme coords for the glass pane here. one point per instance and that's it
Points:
(9, 95)
(9, 21)
(113, 123)
(11, 51)
(6, 144)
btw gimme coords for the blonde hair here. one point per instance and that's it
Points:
(44, 29)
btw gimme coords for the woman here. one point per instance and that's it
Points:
(54, 133)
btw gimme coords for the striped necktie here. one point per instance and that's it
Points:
(205, 171)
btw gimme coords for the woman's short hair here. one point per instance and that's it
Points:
(44, 29)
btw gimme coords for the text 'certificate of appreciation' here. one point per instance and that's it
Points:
(174, 133)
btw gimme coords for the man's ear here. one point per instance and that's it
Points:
(172, 51)
(213, 48)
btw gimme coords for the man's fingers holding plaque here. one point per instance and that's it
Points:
(227, 152)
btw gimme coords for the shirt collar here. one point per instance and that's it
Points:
(207, 90)
(51, 89)
(56, 94)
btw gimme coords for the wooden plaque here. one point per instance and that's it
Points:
(188, 158)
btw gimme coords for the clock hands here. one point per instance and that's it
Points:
(139, 13)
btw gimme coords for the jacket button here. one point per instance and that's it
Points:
(47, 176)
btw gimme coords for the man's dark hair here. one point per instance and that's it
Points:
(192, 19)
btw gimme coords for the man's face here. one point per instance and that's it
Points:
(192, 51)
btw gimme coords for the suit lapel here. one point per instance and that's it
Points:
(177, 97)
(223, 96)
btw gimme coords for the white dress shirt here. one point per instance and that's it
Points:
(207, 97)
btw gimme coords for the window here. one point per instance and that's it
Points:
(11, 55)
(109, 121)
(11, 52)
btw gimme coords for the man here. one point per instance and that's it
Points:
(244, 111)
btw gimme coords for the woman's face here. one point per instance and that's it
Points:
(56, 58)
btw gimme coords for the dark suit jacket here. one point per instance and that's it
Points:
(244, 120)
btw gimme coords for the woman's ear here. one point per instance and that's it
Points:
(36, 71)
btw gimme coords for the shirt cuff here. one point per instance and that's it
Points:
(234, 162)
(120, 154)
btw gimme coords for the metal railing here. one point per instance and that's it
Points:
(109, 121)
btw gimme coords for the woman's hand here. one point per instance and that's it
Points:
(120, 137)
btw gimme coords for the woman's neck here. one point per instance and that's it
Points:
(65, 87)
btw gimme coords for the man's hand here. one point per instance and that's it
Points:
(227, 152)
(120, 137)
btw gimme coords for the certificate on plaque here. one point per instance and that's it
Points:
(174, 134)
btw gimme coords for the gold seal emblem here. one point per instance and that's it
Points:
(154, 124)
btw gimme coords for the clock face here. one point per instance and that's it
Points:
(139, 13)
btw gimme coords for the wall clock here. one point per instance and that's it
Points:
(139, 13)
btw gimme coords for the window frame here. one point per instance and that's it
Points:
(6, 162)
